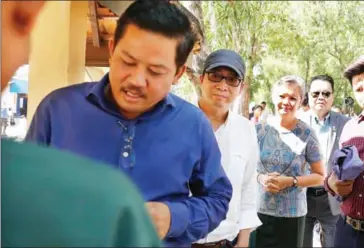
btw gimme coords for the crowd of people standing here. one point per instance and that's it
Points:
(125, 163)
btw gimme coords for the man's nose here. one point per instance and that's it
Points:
(138, 78)
(222, 85)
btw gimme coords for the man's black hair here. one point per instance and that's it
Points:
(163, 18)
(326, 78)
(356, 68)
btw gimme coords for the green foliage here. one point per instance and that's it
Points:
(304, 38)
(185, 89)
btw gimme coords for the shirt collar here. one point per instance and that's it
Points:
(228, 119)
(97, 95)
(326, 120)
(361, 117)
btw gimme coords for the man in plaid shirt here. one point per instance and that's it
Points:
(350, 227)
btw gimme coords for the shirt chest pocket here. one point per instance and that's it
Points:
(236, 168)
(235, 172)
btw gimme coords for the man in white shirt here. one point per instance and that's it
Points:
(222, 82)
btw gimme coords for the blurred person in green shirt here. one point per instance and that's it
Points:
(52, 198)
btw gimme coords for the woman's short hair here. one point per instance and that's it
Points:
(290, 79)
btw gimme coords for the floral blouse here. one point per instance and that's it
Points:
(289, 153)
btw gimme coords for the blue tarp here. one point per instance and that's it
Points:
(19, 86)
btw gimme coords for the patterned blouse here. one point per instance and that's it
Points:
(289, 153)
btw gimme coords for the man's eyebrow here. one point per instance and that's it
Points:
(153, 65)
(127, 54)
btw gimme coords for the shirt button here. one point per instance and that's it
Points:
(358, 213)
(125, 154)
(360, 195)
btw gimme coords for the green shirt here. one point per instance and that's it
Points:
(53, 198)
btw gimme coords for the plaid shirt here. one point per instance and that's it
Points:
(353, 134)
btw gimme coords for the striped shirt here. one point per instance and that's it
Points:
(353, 134)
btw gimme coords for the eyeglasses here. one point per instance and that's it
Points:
(325, 94)
(230, 80)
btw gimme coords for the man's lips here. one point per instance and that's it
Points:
(220, 96)
(132, 96)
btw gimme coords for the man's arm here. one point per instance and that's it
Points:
(134, 226)
(194, 218)
(248, 219)
(40, 128)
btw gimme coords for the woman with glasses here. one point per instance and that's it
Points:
(289, 149)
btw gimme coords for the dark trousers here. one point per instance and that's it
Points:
(220, 244)
(346, 236)
(279, 232)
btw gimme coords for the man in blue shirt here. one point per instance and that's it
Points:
(130, 120)
(57, 199)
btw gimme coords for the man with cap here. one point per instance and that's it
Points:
(222, 82)
(130, 120)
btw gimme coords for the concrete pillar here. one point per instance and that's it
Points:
(58, 48)
(77, 41)
(95, 73)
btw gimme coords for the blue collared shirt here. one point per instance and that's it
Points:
(322, 129)
(168, 152)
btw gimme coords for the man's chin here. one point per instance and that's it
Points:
(219, 104)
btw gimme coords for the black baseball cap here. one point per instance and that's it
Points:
(227, 58)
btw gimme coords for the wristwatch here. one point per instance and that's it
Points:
(295, 181)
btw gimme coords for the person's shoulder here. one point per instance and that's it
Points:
(188, 109)
(304, 129)
(341, 117)
(241, 121)
(25, 160)
(262, 127)
(350, 122)
(69, 93)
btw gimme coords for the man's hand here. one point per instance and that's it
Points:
(341, 188)
(161, 217)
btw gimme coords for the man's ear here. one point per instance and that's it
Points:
(201, 78)
(24, 15)
(179, 74)
(111, 47)
(241, 87)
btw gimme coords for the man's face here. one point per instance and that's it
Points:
(358, 88)
(142, 70)
(263, 105)
(220, 94)
(17, 21)
(321, 96)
